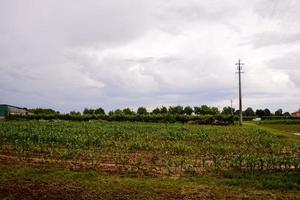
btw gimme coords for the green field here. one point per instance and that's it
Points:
(125, 160)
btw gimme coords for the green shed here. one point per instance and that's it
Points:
(6, 110)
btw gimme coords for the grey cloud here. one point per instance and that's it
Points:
(290, 65)
(273, 38)
(70, 55)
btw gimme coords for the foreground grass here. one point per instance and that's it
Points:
(289, 128)
(110, 160)
(287, 131)
(148, 148)
(28, 182)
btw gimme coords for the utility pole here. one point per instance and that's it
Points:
(239, 64)
(231, 109)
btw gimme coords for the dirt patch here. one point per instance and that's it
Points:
(19, 190)
(31, 190)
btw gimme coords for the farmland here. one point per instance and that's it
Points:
(176, 158)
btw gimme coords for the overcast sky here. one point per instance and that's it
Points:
(68, 55)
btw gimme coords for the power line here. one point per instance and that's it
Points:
(239, 64)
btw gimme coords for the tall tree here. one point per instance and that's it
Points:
(260, 113)
(188, 110)
(142, 111)
(204, 110)
(197, 110)
(286, 114)
(176, 110)
(100, 111)
(249, 112)
(127, 111)
(228, 110)
(163, 110)
(214, 111)
(118, 112)
(89, 111)
(75, 113)
(267, 112)
(156, 111)
(278, 112)
(45, 111)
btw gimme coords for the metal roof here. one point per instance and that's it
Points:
(13, 106)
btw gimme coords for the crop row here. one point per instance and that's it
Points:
(179, 147)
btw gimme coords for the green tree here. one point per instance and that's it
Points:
(75, 113)
(89, 111)
(249, 112)
(214, 111)
(188, 110)
(118, 112)
(197, 110)
(142, 111)
(286, 114)
(156, 111)
(128, 111)
(278, 112)
(260, 113)
(267, 112)
(204, 110)
(163, 110)
(99, 111)
(176, 110)
(44, 111)
(227, 110)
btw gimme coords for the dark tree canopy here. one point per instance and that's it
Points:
(286, 114)
(214, 111)
(156, 111)
(204, 110)
(118, 112)
(128, 111)
(249, 112)
(163, 110)
(260, 113)
(267, 112)
(176, 110)
(228, 110)
(278, 112)
(100, 111)
(75, 113)
(188, 110)
(45, 111)
(88, 111)
(197, 110)
(142, 111)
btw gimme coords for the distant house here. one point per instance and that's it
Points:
(296, 114)
(6, 110)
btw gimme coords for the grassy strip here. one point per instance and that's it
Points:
(288, 128)
(281, 121)
(282, 131)
(21, 182)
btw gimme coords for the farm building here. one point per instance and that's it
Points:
(6, 110)
(296, 114)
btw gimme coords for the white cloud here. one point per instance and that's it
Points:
(111, 53)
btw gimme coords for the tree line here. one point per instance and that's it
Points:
(171, 110)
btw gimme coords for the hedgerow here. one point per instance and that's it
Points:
(167, 118)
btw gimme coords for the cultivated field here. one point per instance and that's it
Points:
(138, 160)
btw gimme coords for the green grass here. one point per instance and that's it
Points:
(66, 184)
(289, 128)
(126, 160)
(284, 130)
(146, 146)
